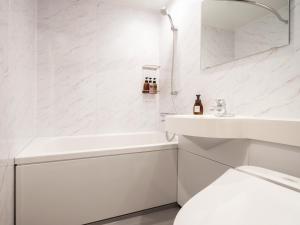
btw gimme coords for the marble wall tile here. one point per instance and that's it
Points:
(265, 85)
(6, 147)
(90, 55)
(17, 92)
(295, 24)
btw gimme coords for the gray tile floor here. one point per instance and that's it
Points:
(158, 216)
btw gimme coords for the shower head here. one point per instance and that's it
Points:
(164, 12)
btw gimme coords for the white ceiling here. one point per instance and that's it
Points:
(144, 4)
(230, 15)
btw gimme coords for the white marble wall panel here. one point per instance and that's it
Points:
(90, 55)
(262, 85)
(295, 24)
(17, 92)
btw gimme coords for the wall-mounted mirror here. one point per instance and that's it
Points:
(234, 29)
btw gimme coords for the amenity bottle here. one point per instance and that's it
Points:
(198, 107)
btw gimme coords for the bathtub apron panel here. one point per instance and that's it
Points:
(80, 191)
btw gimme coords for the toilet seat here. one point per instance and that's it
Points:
(245, 196)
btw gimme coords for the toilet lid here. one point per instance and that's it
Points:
(238, 198)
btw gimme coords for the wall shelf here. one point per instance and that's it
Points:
(150, 72)
(151, 67)
(150, 93)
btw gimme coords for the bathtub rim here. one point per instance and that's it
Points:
(23, 159)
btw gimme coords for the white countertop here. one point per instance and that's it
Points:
(276, 130)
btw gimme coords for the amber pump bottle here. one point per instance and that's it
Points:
(154, 86)
(150, 86)
(198, 107)
(146, 86)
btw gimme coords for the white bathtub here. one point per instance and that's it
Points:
(78, 180)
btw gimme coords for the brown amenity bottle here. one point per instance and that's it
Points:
(198, 107)
(146, 86)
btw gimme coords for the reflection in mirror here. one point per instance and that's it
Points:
(234, 29)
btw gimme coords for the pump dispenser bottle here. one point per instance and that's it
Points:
(146, 86)
(154, 86)
(198, 107)
(150, 86)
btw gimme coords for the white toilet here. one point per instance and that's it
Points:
(245, 196)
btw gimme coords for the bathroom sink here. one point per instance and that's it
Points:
(204, 126)
(282, 131)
